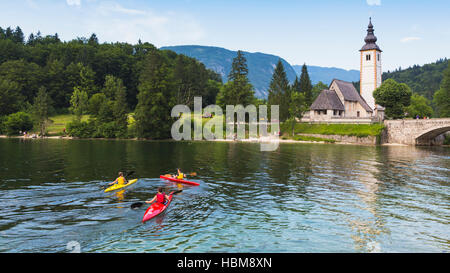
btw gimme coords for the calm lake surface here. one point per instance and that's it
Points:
(300, 198)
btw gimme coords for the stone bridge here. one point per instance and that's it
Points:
(415, 131)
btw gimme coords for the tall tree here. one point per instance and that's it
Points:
(280, 91)
(239, 69)
(394, 96)
(442, 96)
(297, 108)
(155, 98)
(79, 102)
(120, 110)
(238, 89)
(41, 108)
(305, 85)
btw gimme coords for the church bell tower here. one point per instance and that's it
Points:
(370, 70)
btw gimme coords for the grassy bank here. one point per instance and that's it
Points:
(59, 122)
(359, 130)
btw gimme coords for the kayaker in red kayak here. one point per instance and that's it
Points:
(121, 180)
(160, 197)
(179, 175)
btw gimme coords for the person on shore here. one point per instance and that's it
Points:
(121, 180)
(160, 197)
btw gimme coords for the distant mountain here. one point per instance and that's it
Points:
(327, 74)
(260, 65)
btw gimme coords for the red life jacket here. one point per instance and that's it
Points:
(160, 198)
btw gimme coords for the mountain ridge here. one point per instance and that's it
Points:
(260, 65)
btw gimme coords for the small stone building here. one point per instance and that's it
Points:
(341, 100)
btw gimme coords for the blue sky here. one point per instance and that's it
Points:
(320, 32)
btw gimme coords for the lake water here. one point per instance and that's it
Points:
(299, 198)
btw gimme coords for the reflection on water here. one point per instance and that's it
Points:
(299, 198)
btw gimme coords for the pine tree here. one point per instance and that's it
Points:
(238, 89)
(280, 91)
(305, 85)
(239, 69)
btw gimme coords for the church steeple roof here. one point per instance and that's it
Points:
(370, 39)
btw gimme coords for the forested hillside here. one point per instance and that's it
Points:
(101, 80)
(424, 80)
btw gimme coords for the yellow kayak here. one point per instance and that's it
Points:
(117, 186)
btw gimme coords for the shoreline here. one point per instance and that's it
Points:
(253, 140)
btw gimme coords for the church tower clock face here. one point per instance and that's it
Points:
(370, 70)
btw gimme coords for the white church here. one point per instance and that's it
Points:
(341, 102)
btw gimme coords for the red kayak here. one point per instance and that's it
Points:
(179, 180)
(156, 209)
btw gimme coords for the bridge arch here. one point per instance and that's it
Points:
(427, 137)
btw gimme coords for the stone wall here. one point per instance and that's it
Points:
(369, 140)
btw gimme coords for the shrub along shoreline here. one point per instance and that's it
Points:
(65, 126)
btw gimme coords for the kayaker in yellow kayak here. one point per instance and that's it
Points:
(121, 180)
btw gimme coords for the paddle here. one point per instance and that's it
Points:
(191, 174)
(139, 204)
(126, 174)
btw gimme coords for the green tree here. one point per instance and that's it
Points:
(238, 89)
(95, 102)
(10, 97)
(306, 86)
(394, 96)
(239, 68)
(79, 102)
(120, 110)
(17, 122)
(297, 108)
(280, 91)
(442, 96)
(40, 110)
(155, 98)
(420, 106)
(317, 88)
(27, 75)
(55, 83)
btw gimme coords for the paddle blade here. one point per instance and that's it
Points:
(177, 191)
(137, 205)
(129, 173)
(193, 174)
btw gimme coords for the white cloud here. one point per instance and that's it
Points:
(409, 39)
(73, 2)
(113, 22)
(108, 7)
(373, 2)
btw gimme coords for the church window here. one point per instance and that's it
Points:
(368, 57)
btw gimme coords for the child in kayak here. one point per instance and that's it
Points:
(160, 197)
(121, 180)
